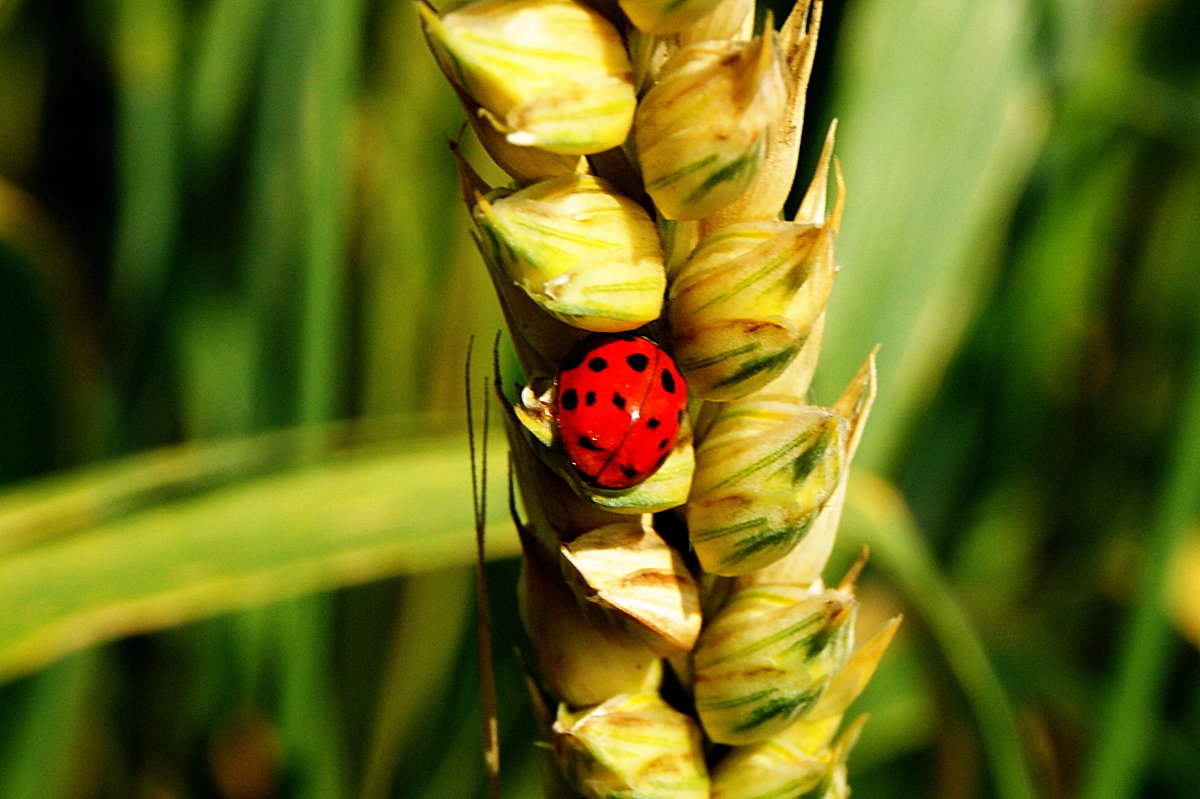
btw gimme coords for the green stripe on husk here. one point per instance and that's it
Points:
(807, 461)
(817, 641)
(790, 446)
(545, 234)
(784, 706)
(699, 536)
(680, 173)
(776, 360)
(733, 170)
(787, 538)
(753, 279)
(691, 365)
(762, 643)
(738, 701)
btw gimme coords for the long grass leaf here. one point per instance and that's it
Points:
(271, 249)
(331, 79)
(311, 719)
(227, 37)
(358, 515)
(424, 289)
(41, 732)
(940, 120)
(147, 53)
(418, 661)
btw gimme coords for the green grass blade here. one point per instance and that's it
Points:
(272, 239)
(147, 47)
(1060, 277)
(419, 658)
(177, 551)
(876, 516)
(40, 732)
(66, 503)
(332, 73)
(424, 288)
(1131, 713)
(310, 720)
(940, 119)
(227, 37)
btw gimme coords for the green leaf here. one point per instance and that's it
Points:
(162, 539)
(42, 732)
(940, 119)
(226, 36)
(147, 37)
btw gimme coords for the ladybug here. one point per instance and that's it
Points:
(619, 403)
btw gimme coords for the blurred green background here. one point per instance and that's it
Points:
(236, 295)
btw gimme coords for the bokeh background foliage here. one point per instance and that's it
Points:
(236, 293)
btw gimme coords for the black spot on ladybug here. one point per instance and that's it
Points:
(597, 364)
(668, 381)
(663, 444)
(637, 362)
(653, 423)
(589, 399)
(570, 400)
(618, 400)
(586, 443)
(629, 472)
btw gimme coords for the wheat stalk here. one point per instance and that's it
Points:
(651, 147)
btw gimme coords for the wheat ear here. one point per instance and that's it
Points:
(684, 640)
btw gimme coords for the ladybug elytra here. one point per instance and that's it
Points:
(619, 403)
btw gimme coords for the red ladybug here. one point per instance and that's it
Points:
(619, 403)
